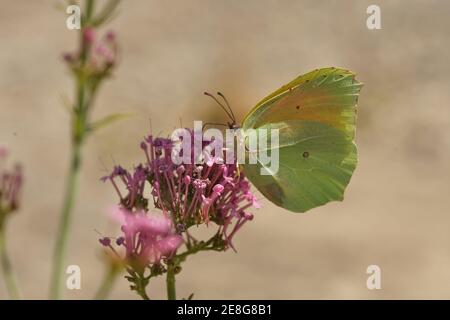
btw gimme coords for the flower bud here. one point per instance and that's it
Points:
(218, 188)
(89, 35)
(105, 241)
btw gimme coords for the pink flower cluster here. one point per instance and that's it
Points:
(97, 55)
(10, 186)
(147, 238)
(192, 194)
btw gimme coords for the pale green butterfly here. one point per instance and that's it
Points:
(316, 116)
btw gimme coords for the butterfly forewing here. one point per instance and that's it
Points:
(327, 95)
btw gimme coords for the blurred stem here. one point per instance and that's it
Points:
(78, 133)
(65, 220)
(89, 9)
(170, 281)
(86, 87)
(142, 293)
(141, 284)
(8, 273)
(107, 283)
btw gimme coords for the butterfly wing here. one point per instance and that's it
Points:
(315, 115)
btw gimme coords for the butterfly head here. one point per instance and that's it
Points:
(233, 126)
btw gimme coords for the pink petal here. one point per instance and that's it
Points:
(170, 244)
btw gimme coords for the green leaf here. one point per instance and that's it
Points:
(190, 297)
(107, 13)
(108, 120)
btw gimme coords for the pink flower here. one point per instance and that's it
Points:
(208, 202)
(147, 237)
(10, 185)
(89, 35)
(168, 245)
(98, 55)
(110, 36)
(3, 152)
(192, 194)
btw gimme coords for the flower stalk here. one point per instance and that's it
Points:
(93, 62)
(170, 281)
(64, 226)
(10, 189)
(107, 283)
(10, 278)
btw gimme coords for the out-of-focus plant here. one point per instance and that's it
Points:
(114, 267)
(214, 194)
(92, 63)
(10, 189)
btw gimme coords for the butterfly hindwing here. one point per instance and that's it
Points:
(316, 162)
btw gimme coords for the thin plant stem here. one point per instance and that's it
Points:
(141, 284)
(10, 279)
(107, 284)
(89, 9)
(170, 281)
(86, 88)
(78, 133)
(64, 226)
(142, 293)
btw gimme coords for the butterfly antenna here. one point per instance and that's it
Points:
(228, 105)
(221, 105)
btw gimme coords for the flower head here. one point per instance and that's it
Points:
(191, 193)
(10, 186)
(97, 55)
(147, 238)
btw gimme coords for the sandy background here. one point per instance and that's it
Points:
(396, 211)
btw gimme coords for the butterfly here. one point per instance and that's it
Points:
(315, 115)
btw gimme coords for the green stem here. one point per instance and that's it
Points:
(107, 284)
(202, 246)
(141, 284)
(65, 220)
(8, 273)
(142, 293)
(170, 281)
(89, 9)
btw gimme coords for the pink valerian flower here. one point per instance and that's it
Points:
(105, 50)
(134, 184)
(98, 55)
(10, 185)
(192, 194)
(147, 238)
(3, 152)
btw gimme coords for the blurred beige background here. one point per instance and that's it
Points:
(396, 211)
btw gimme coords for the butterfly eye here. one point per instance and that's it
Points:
(305, 154)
